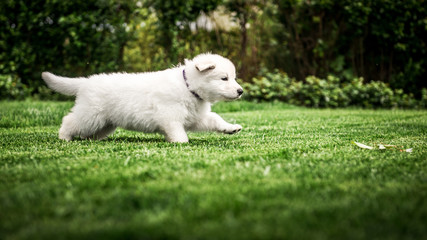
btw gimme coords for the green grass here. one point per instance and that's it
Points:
(292, 173)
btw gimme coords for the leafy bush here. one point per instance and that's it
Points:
(383, 40)
(12, 86)
(330, 92)
(66, 37)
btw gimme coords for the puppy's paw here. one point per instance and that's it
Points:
(232, 129)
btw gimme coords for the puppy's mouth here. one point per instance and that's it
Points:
(231, 97)
(227, 98)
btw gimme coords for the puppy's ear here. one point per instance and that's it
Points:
(204, 66)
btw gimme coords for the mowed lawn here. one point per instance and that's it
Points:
(292, 173)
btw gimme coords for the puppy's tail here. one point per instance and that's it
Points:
(66, 86)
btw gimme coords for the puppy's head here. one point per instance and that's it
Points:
(213, 78)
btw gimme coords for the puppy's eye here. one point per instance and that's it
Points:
(224, 79)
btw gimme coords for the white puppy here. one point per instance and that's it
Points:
(170, 102)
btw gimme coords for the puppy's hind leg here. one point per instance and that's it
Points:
(72, 126)
(69, 127)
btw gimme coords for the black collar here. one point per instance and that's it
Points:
(186, 83)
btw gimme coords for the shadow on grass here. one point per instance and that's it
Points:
(136, 139)
(159, 139)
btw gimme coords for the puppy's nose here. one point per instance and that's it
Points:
(240, 91)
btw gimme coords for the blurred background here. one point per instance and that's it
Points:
(318, 53)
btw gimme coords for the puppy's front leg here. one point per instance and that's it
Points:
(175, 132)
(213, 122)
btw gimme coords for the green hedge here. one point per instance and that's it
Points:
(330, 92)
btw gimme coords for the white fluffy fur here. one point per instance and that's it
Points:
(150, 102)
